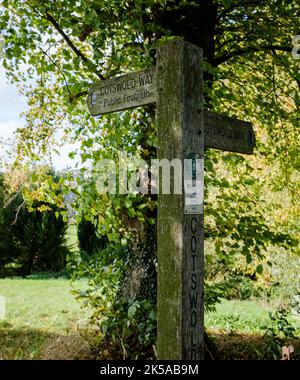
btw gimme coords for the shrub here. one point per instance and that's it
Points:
(129, 330)
(278, 333)
(88, 239)
(123, 309)
(30, 240)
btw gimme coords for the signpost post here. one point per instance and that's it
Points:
(184, 129)
(180, 234)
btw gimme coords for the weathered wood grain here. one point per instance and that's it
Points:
(229, 134)
(180, 236)
(140, 88)
(123, 92)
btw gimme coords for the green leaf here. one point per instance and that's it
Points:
(227, 3)
(259, 269)
(131, 311)
(128, 203)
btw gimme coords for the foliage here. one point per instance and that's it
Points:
(129, 330)
(88, 240)
(63, 275)
(280, 278)
(214, 292)
(279, 333)
(249, 68)
(251, 203)
(124, 316)
(30, 240)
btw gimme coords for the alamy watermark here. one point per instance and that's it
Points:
(132, 175)
(2, 307)
(296, 47)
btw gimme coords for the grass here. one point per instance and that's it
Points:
(249, 316)
(43, 320)
(237, 331)
(36, 311)
(241, 316)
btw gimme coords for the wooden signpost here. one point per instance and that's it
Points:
(184, 129)
(226, 133)
(138, 89)
(123, 92)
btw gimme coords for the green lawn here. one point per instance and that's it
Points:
(42, 315)
(243, 316)
(36, 311)
(237, 331)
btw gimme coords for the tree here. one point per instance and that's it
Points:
(30, 240)
(249, 73)
(88, 240)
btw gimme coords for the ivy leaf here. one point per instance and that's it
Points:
(128, 203)
(131, 311)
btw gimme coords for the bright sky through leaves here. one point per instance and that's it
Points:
(11, 105)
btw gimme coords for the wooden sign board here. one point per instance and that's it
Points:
(226, 133)
(140, 88)
(123, 92)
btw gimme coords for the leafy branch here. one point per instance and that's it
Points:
(58, 68)
(71, 44)
(72, 97)
(226, 57)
